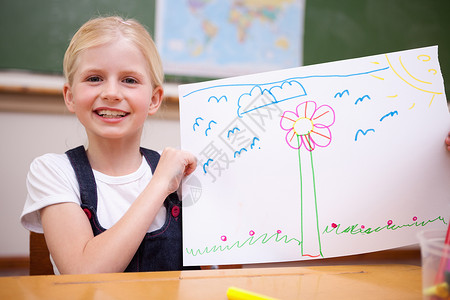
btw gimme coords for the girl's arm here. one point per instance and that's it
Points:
(69, 235)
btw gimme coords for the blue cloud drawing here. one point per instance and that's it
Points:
(259, 97)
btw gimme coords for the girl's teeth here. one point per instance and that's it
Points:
(111, 114)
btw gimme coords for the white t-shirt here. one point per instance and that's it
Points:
(52, 180)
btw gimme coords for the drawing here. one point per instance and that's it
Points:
(232, 131)
(357, 229)
(308, 127)
(405, 75)
(287, 90)
(341, 94)
(206, 164)
(218, 99)
(196, 122)
(277, 237)
(216, 160)
(239, 152)
(354, 127)
(253, 240)
(363, 132)
(209, 127)
(361, 99)
(391, 114)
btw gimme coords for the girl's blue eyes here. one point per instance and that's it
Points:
(129, 80)
(93, 79)
(98, 79)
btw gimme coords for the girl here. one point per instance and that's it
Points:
(114, 81)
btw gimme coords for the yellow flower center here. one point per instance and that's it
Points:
(303, 126)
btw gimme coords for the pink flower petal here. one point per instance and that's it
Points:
(324, 115)
(291, 139)
(306, 109)
(321, 136)
(320, 118)
(288, 119)
(307, 142)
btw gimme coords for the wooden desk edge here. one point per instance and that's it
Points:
(221, 273)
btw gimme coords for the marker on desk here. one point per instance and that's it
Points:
(235, 293)
(439, 290)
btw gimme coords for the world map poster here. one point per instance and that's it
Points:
(227, 38)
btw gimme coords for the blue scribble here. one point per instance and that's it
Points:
(206, 164)
(295, 90)
(253, 142)
(239, 152)
(218, 100)
(363, 132)
(232, 131)
(342, 94)
(362, 98)
(196, 122)
(209, 127)
(391, 114)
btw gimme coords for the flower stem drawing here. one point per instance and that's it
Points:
(308, 128)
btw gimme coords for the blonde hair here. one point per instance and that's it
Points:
(102, 30)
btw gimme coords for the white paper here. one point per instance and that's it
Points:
(372, 169)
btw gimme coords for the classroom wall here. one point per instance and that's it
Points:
(26, 135)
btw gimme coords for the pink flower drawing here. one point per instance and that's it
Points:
(308, 126)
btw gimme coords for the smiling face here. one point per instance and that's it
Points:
(111, 92)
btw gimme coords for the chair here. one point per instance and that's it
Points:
(39, 255)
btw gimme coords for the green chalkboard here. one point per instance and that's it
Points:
(34, 34)
(342, 29)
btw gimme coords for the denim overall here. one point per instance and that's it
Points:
(160, 250)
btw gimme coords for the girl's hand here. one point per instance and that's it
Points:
(447, 141)
(173, 166)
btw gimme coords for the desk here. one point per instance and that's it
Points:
(324, 282)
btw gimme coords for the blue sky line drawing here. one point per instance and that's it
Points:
(232, 131)
(361, 99)
(363, 132)
(287, 79)
(196, 122)
(342, 94)
(391, 114)
(218, 99)
(207, 164)
(209, 127)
